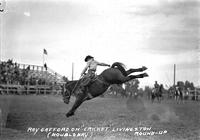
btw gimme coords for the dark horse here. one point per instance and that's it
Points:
(114, 75)
(157, 93)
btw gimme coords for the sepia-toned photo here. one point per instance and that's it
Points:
(99, 69)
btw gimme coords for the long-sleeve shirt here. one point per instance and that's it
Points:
(92, 65)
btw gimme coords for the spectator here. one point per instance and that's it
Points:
(45, 66)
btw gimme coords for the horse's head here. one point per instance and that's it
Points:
(67, 91)
(66, 96)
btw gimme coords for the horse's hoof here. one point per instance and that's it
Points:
(145, 75)
(66, 102)
(144, 68)
(69, 114)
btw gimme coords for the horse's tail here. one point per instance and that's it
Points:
(120, 66)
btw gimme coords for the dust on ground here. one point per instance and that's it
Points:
(21, 112)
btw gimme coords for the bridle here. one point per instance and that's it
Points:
(67, 90)
(73, 89)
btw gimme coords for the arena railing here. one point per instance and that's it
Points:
(195, 93)
(28, 89)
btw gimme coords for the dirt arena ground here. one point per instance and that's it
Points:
(43, 117)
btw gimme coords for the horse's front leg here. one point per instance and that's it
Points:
(159, 99)
(78, 102)
(152, 98)
(143, 68)
(87, 98)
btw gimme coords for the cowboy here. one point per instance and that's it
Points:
(91, 69)
(156, 86)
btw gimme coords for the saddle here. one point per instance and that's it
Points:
(155, 91)
(89, 81)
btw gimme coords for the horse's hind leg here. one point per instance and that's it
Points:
(152, 99)
(138, 76)
(159, 99)
(136, 70)
(128, 78)
(78, 102)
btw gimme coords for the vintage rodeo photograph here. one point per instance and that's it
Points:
(99, 69)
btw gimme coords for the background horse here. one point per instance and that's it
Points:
(157, 93)
(114, 75)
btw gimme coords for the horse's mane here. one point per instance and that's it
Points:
(71, 84)
(120, 66)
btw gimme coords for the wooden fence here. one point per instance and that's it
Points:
(195, 93)
(27, 89)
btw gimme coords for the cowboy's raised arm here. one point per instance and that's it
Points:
(103, 64)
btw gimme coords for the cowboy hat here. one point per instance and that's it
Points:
(88, 58)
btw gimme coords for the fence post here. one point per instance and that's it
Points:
(7, 88)
(36, 87)
(27, 91)
(195, 94)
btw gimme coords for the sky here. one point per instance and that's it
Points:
(152, 33)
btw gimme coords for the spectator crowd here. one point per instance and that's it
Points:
(11, 73)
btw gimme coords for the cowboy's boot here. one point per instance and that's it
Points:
(89, 95)
(82, 89)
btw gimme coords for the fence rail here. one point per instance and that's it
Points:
(27, 89)
(195, 93)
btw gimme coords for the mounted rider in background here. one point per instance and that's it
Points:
(90, 67)
(156, 86)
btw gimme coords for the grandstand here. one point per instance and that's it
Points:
(39, 72)
(18, 78)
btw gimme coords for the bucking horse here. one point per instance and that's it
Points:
(116, 74)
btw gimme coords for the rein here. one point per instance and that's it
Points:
(76, 84)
